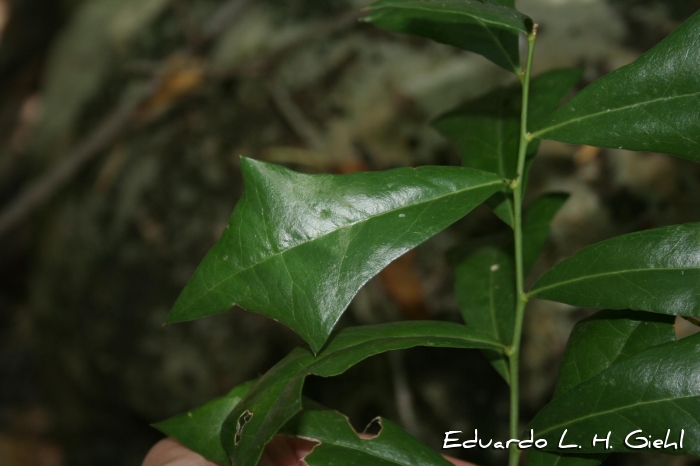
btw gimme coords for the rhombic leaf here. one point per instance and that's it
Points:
(655, 270)
(487, 130)
(276, 398)
(485, 288)
(597, 343)
(652, 104)
(341, 446)
(654, 391)
(487, 27)
(200, 429)
(298, 247)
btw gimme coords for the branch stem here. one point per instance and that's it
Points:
(517, 186)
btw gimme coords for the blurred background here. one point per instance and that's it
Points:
(121, 127)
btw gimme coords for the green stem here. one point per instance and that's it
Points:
(517, 185)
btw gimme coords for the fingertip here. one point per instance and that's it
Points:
(302, 447)
(170, 452)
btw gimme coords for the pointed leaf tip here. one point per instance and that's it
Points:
(652, 104)
(298, 247)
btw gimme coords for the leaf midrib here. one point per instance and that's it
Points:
(543, 131)
(308, 370)
(537, 291)
(502, 25)
(350, 225)
(627, 337)
(354, 346)
(615, 410)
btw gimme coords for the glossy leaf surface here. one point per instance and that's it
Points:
(298, 247)
(652, 104)
(536, 224)
(654, 270)
(200, 429)
(607, 338)
(653, 391)
(486, 131)
(341, 446)
(276, 398)
(596, 344)
(485, 289)
(487, 27)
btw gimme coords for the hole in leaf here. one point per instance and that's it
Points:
(243, 419)
(373, 429)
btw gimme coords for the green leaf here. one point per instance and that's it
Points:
(298, 247)
(655, 270)
(341, 446)
(485, 289)
(536, 222)
(486, 131)
(80, 63)
(547, 91)
(652, 104)
(596, 344)
(276, 398)
(488, 27)
(200, 429)
(653, 391)
(501, 204)
(546, 458)
(607, 338)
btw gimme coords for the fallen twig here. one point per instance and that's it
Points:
(40, 191)
(224, 17)
(692, 320)
(266, 65)
(305, 129)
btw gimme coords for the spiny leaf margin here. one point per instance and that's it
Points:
(298, 247)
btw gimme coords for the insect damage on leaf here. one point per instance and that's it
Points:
(243, 420)
(298, 248)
